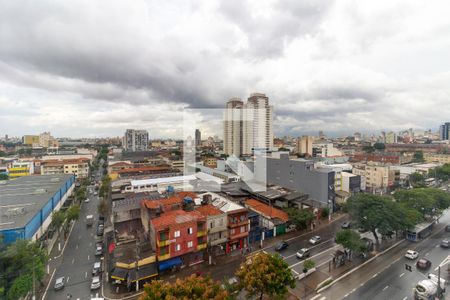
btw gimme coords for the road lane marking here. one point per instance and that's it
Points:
(426, 254)
(329, 249)
(90, 244)
(405, 298)
(48, 285)
(68, 277)
(385, 288)
(375, 275)
(402, 274)
(85, 275)
(73, 260)
(76, 247)
(88, 257)
(315, 297)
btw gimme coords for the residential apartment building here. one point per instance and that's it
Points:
(198, 138)
(30, 140)
(390, 138)
(216, 226)
(305, 145)
(378, 177)
(444, 131)
(78, 167)
(383, 157)
(135, 140)
(435, 157)
(179, 238)
(325, 150)
(20, 169)
(46, 140)
(249, 126)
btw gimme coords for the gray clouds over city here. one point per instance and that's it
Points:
(95, 68)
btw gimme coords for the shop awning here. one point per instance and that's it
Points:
(167, 264)
(144, 272)
(119, 274)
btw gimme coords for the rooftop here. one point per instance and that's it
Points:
(209, 210)
(176, 217)
(266, 210)
(23, 197)
(222, 203)
(153, 181)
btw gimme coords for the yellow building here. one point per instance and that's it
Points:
(434, 157)
(78, 167)
(16, 172)
(30, 140)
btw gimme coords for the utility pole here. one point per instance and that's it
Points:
(34, 281)
(137, 268)
(439, 291)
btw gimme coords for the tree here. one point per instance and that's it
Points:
(308, 265)
(266, 274)
(300, 217)
(58, 219)
(418, 156)
(427, 201)
(102, 208)
(4, 177)
(379, 146)
(73, 213)
(416, 178)
(192, 287)
(381, 213)
(351, 240)
(325, 212)
(18, 262)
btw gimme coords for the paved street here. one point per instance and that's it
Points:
(78, 257)
(385, 277)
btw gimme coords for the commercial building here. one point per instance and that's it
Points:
(135, 140)
(435, 157)
(305, 145)
(198, 138)
(383, 157)
(269, 217)
(78, 167)
(249, 126)
(390, 138)
(26, 204)
(297, 174)
(378, 177)
(216, 226)
(325, 150)
(20, 169)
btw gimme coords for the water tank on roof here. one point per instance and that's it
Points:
(188, 200)
(170, 189)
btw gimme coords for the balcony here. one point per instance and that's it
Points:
(163, 243)
(238, 223)
(201, 246)
(201, 233)
(163, 257)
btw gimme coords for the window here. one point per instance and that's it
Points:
(242, 218)
(232, 231)
(190, 244)
(211, 224)
(176, 234)
(177, 247)
(190, 230)
(242, 229)
(221, 222)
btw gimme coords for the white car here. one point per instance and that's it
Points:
(87, 200)
(315, 240)
(411, 254)
(95, 283)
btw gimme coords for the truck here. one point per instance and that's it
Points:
(427, 289)
(89, 220)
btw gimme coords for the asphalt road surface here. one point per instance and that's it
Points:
(79, 257)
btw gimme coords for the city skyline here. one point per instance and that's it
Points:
(331, 66)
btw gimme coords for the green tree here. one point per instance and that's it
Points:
(416, 178)
(325, 212)
(351, 240)
(379, 146)
(308, 265)
(427, 201)
(300, 217)
(73, 213)
(418, 156)
(102, 208)
(192, 287)
(4, 177)
(267, 275)
(373, 212)
(58, 218)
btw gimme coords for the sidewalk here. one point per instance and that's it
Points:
(306, 288)
(225, 266)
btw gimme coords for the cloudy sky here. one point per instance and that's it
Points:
(95, 68)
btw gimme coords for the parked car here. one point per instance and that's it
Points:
(303, 253)
(423, 264)
(95, 283)
(97, 269)
(411, 254)
(315, 240)
(290, 228)
(59, 283)
(89, 220)
(281, 246)
(445, 243)
(346, 225)
(100, 230)
(447, 228)
(99, 249)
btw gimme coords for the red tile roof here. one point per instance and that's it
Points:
(152, 204)
(143, 169)
(176, 217)
(266, 210)
(209, 210)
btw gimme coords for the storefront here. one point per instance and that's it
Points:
(170, 264)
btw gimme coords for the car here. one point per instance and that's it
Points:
(447, 228)
(303, 253)
(87, 200)
(95, 193)
(291, 227)
(346, 225)
(445, 243)
(99, 249)
(315, 240)
(97, 269)
(59, 283)
(423, 264)
(411, 254)
(100, 230)
(281, 246)
(95, 283)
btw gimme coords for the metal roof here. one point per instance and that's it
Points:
(22, 198)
